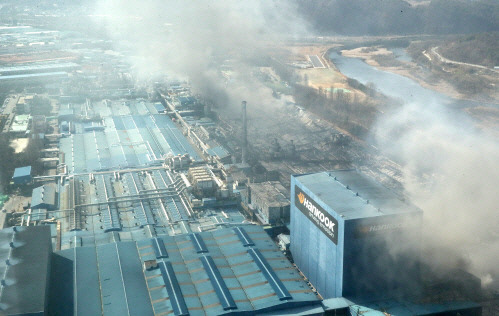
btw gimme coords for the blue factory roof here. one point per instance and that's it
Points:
(238, 269)
(107, 279)
(24, 270)
(131, 136)
(159, 107)
(36, 75)
(39, 67)
(354, 195)
(22, 172)
(208, 273)
(92, 126)
(218, 151)
(43, 197)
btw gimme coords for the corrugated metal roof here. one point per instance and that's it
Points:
(140, 214)
(142, 209)
(126, 141)
(75, 283)
(44, 196)
(218, 151)
(107, 279)
(109, 211)
(159, 107)
(227, 276)
(218, 283)
(198, 242)
(36, 75)
(159, 248)
(269, 274)
(24, 269)
(354, 195)
(6, 70)
(173, 289)
(243, 236)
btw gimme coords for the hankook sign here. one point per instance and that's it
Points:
(369, 229)
(321, 218)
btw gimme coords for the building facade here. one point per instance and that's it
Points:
(352, 237)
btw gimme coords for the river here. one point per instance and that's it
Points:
(396, 86)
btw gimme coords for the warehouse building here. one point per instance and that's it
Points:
(20, 125)
(236, 270)
(22, 175)
(35, 78)
(37, 68)
(129, 136)
(269, 202)
(44, 197)
(116, 187)
(342, 228)
(25, 258)
(227, 271)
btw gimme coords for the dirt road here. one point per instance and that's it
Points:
(448, 61)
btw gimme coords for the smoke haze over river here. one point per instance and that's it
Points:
(449, 168)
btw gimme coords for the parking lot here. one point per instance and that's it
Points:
(316, 61)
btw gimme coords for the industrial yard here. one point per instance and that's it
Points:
(244, 187)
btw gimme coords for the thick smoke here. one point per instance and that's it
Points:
(191, 40)
(450, 171)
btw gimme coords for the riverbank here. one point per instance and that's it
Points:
(364, 65)
(411, 70)
(317, 78)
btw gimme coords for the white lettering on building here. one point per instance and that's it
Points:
(315, 212)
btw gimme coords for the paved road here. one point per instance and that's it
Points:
(316, 61)
(449, 61)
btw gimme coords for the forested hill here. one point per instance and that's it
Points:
(481, 49)
(397, 17)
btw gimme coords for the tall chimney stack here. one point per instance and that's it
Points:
(245, 134)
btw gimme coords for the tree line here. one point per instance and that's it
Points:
(10, 160)
(398, 17)
(481, 49)
(346, 110)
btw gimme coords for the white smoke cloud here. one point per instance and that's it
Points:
(450, 172)
(191, 39)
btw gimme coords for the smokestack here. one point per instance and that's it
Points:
(245, 134)
(292, 149)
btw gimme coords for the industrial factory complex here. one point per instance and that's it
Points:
(146, 205)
